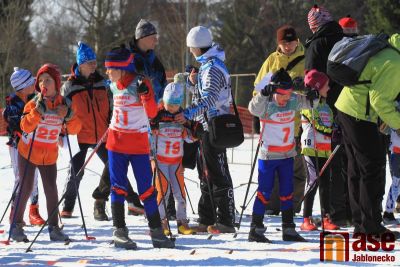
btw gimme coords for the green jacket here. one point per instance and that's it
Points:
(383, 69)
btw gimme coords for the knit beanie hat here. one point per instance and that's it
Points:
(84, 53)
(199, 37)
(53, 71)
(144, 28)
(20, 79)
(317, 17)
(173, 94)
(282, 81)
(120, 58)
(349, 25)
(315, 79)
(286, 33)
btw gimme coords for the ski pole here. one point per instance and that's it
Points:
(320, 173)
(7, 242)
(92, 153)
(190, 202)
(244, 206)
(76, 187)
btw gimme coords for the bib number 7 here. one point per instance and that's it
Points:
(286, 133)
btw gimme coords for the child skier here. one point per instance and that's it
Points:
(388, 216)
(316, 148)
(276, 152)
(127, 142)
(23, 83)
(169, 136)
(41, 124)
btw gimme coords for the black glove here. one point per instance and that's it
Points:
(197, 130)
(40, 105)
(298, 84)
(268, 90)
(312, 95)
(142, 88)
(189, 68)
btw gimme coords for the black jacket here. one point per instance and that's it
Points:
(318, 47)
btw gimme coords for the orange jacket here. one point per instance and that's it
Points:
(90, 101)
(45, 145)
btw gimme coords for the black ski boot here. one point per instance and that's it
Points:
(159, 239)
(157, 233)
(99, 211)
(289, 232)
(121, 239)
(257, 230)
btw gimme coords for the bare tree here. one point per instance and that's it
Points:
(16, 46)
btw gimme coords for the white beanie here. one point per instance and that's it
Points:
(20, 79)
(199, 37)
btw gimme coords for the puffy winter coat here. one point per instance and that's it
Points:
(149, 65)
(212, 93)
(318, 47)
(383, 69)
(91, 102)
(48, 127)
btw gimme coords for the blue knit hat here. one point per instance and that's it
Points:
(173, 94)
(120, 58)
(20, 79)
(84, 53)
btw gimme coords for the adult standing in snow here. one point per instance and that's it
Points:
(147, 63)
(87, 90)
(326, 32)
(290, 56)
(358, 108)
(211, 89)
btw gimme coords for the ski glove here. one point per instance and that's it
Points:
(268, 90)
(40, 105)
(312, 95)
(298, 84)
(142, 89)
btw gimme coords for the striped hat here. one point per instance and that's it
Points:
(317, 17)
(20, 79)
(120, 58)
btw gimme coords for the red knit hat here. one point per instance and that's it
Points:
(53, 71)
(349, 25)
(318, 16)
(315, 79)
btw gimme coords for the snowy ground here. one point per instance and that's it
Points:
(223, 250)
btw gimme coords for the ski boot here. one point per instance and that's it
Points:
(99, 211)
(34, 216)
(159, 240)
(308, 225)
(389, 219)
(18, 234)
(121, 239)
(184, 228)
(56, 234)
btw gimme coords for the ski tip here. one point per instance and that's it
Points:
(192, 252)
(5, 242)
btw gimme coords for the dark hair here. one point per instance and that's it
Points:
(205, 49)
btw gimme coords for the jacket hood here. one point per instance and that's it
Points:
(394, 40)
(331, 28)
(214, 51)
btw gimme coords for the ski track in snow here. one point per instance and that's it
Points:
(222, 250)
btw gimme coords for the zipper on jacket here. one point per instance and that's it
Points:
(94, 120)
(97, 103)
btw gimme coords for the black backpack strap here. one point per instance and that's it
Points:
(294, 62)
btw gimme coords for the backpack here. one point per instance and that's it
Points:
(349, 56)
